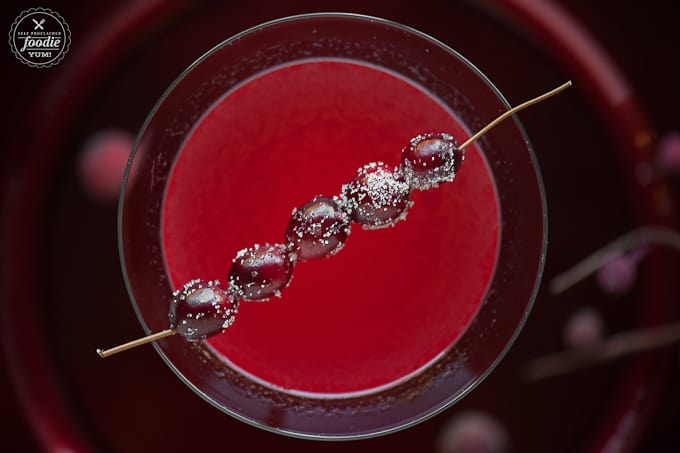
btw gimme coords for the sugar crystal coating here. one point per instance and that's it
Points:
(377, 197)
(431, 159)
(318, 229)
(261, 271)
(201, 309)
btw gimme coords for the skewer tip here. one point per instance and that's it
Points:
(134, 343)
(511, 112)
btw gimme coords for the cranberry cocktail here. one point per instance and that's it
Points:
(360, 318)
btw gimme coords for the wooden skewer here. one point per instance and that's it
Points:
(617, 346)
(168, 332)
(103, 353)
(511, 112)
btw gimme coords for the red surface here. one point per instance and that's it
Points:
(392, 299)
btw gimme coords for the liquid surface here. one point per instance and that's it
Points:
(391, 300)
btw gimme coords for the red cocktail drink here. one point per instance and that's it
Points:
(392, 300)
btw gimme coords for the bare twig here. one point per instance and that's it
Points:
(617, 346)
(627, 242)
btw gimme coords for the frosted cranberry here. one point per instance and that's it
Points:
(377, 197)
(201, 309)
(318, 229)
(261, 271)
(430, 160)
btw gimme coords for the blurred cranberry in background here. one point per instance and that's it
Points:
(669, 152)
(102, 162)
(473, 432)
(584, 329)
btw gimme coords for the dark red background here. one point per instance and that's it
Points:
(642, 40)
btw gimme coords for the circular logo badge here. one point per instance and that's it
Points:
(39, 37)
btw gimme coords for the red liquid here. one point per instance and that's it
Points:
(391, 300)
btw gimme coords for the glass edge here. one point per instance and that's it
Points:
(447, 404)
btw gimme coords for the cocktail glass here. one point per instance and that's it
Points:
(429, 64)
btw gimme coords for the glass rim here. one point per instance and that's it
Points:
(445, 404)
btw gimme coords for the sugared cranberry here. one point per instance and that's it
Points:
(261, 271)
(201, 309)
(318, 229)
(430, 160)
(377, 197)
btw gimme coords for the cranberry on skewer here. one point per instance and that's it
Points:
(431, 159)
(377, 197)
(261, 271)
(200, 309)
(318, 229)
